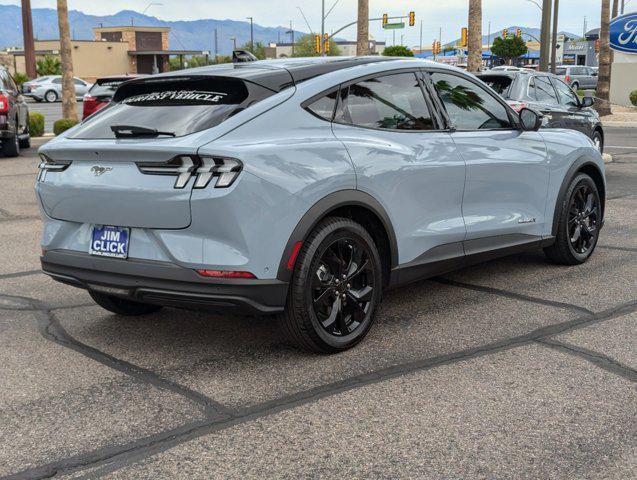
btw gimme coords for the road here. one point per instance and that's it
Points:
(510, 369)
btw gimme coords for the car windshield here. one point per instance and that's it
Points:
(560, 71)
(500, 83)
(180, 105)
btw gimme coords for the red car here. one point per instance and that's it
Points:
(100, 94)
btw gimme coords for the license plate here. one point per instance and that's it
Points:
(110, 241)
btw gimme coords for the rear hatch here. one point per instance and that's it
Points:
(133, 163)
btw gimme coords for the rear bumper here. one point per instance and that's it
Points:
(163, 283)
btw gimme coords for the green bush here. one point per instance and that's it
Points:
(19, 79)
(49, 65)
(63, 125)
(633, 97)
(397, 51)
(36, 124)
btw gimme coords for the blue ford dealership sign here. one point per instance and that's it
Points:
(623, 33)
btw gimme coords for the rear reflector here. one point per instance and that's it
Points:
(224, 274)
(293, 255)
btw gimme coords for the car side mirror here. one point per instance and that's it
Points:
(530, 120)
(586, 102)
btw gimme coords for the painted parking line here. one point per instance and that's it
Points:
(616, 146)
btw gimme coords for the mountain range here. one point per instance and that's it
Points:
(184, 35)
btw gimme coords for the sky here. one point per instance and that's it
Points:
(448, 15)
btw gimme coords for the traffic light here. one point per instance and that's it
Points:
(412, 19)
(326, 43)
(505, 33)
(317, 43)
(385, 19)
(518, 33)
(464, 36)
(435, 47)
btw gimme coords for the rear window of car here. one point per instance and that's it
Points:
(499, 83)
(178, 106)
(560, 71)
(105, 87)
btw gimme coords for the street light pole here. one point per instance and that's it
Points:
(556, 7)
(251, 34)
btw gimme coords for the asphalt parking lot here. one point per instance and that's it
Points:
(510, 369)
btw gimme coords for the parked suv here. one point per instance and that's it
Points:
(578, 77)
(14, 117)
(49, 88)
(304, 188)
(549, 95)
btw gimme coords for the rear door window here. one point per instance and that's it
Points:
(500, 83)
(175, 106)
(543, 91)
(389, 102)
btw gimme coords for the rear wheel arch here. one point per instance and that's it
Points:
(583, 165)
(357, 206)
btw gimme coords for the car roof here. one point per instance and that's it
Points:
(281, 73)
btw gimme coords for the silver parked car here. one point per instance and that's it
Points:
(305, 187)
(578, 77)
(49, 88)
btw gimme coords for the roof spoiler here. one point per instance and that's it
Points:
(240, 56)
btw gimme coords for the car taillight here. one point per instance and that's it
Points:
(203, 169)
(517, 106)
(49, 165)
(91, 105)
(567, 78)
(4, 104)
(224, 274)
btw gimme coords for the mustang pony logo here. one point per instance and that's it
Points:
(623, 33)
(97, 170)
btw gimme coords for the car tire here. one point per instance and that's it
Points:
(578, 223)
(335, 290)
(51, 96)
(26, 141)
(121, 306)
(598, 140)
(11, 146)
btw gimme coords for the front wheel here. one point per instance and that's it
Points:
(335, 289)
(11, 146)
(578, 225)
(121, 306)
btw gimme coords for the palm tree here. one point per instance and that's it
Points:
(362, 36)
(603, 85)
(69, 104)
(474, 62)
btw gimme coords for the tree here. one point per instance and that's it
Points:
(175, 63)
(69, 103)
(398, 51)
(49, 65)
(509, 48)
(305, 48)
(362, 29)
(258, 50)
(474, 61)
(602, 103)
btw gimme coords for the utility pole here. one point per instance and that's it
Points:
(216, 46)
(322, 28)
(490, 60)
(545, 35)
(292, 35)
(362, 34)
(29, 44)
(251, 34)
(420, 44)
(556, 7)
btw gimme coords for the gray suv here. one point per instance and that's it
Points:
(578, 77)
(304, 188)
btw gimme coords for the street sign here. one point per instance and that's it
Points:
(394, 26)
(623, 33)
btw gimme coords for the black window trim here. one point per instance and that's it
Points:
(515, 123)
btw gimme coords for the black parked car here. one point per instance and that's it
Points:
(14, 117)
(549, 95)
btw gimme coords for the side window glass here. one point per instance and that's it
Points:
(469, 106)
(544, 91)
(78, 81)
(567, 96)
(391, 102)
(324, 106)
(57, 81)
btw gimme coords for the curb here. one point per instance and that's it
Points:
(620, 124)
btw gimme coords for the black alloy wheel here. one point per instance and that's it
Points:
(343, 286)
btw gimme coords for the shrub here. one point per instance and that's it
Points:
(633, 97)
(19, 79)
(61, 126)
(49, 65)
(36, 124)
(397, 51)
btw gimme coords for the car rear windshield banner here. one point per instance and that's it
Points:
(177, 97)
